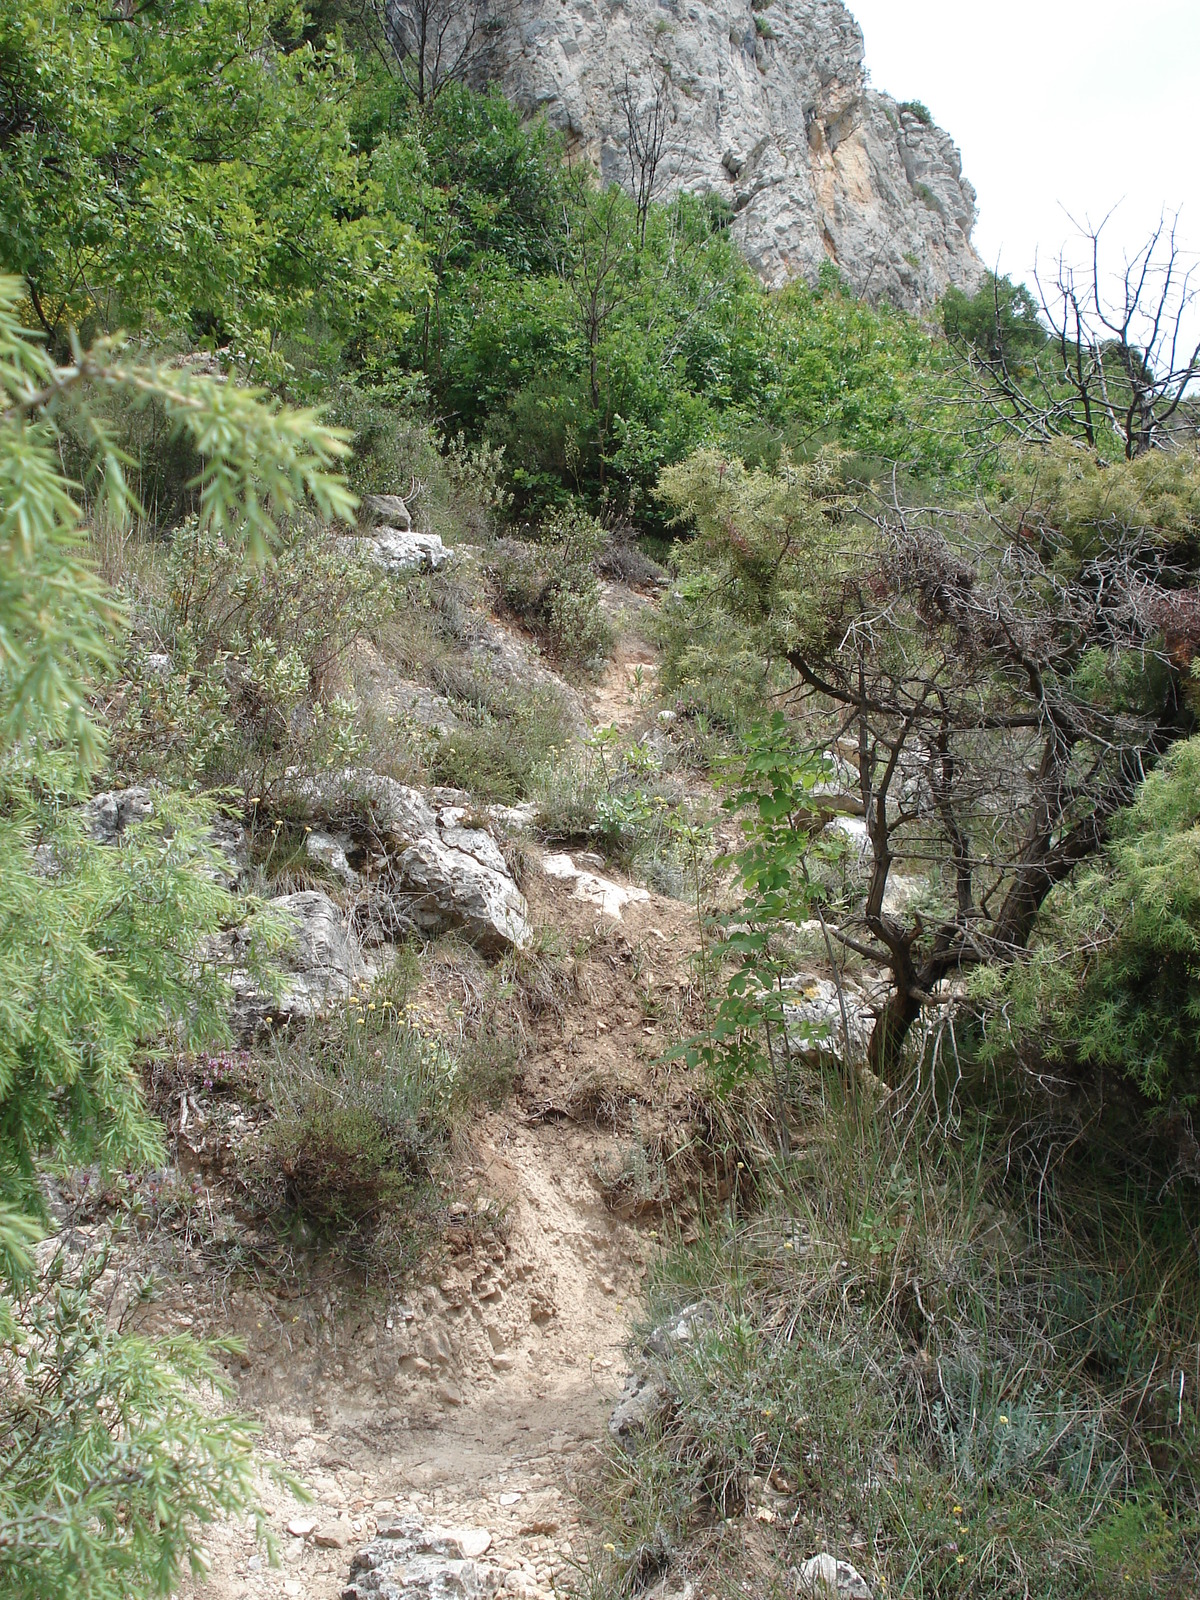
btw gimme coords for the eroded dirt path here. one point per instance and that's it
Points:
(480, 1396)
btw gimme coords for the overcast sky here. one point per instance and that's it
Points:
(1081, 104)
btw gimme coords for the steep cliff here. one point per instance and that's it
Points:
(765, 104)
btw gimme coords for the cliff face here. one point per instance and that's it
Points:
(767, 107)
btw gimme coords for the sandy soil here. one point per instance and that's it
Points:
(480, 1396)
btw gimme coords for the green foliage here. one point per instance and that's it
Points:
(769, 547)
(252, 694)
(770, 790)
(888, 1356)
(614, 795)
(551, 585)
(161, 166)
(362, 1109)
(108, 1460)
(918, 109)
(508, 739)
(1112, 984)
(111, 1461)
(999, 322)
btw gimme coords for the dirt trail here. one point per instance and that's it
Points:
(480, 1397)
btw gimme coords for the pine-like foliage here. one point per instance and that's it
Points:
(110, 1459)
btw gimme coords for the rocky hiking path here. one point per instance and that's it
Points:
(478, 1399)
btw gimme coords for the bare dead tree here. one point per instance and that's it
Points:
(647, 124)
(434, 42)
(1123, 352)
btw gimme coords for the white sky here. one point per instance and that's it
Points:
(1082, 104)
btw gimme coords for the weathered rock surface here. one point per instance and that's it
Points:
(399, 550)
(767, 109)
(646, 1395)
(110, 813)
(814, 1019)
(321, 964)
(407, 1559)
(612, 898)
(824, 1577)
(443, 870)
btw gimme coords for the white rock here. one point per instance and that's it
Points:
(397, 550)
(612, 898)
(110, 813)
(824, 1577)
(321, 964)
(813, 1018)
(301, 1527)
(446, 872)
(769, 111)
(331, 852)
(407, 1558)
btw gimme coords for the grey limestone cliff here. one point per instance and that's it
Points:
(767, 106)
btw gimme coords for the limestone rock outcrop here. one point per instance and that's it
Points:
(321, 964)
(767, 107)
(442, 869)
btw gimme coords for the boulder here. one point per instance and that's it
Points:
(321, 964)
(643, 1398)
(329, 850)
(399, 550)
(110, 813)
(444, 869)
(387, 510)
(824, 1577)
(814, 1022)
(407, 1559)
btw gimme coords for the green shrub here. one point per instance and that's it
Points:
(551, 586)
(888, 1346)
(109, 1462)
(495, 756)
(251, 695)
(363, 1109)
(1109, 991)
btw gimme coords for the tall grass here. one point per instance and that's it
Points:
(900, 1365)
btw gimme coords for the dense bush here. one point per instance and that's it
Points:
(250, 692)
(361, 1115)
(1110, 989)
(551, 585)
(889, 1358)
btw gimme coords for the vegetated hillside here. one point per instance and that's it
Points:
(650, 842)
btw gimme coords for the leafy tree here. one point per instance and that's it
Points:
(1000, 324)
(993, 687)
(108, 1460)
(170, 165)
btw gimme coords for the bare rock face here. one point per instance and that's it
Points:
(767, 108)
(444, 868)
(321, 964)
(407, 1560)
